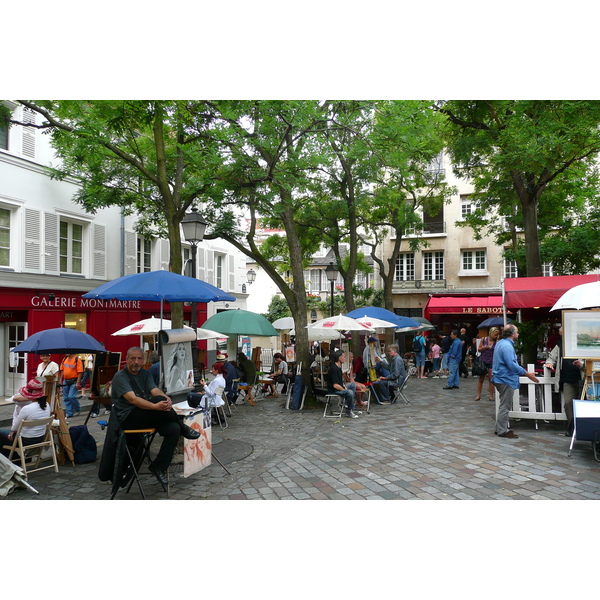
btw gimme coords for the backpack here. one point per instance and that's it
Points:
(417, 345)
(84, 445)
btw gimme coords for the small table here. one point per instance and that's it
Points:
(247, 389)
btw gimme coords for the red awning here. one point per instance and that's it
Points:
(533, 292)
(463, 305)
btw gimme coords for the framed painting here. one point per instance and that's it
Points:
(581, 334)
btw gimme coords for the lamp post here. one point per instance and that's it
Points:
(331, 273)
(251, 276)
(194, 226)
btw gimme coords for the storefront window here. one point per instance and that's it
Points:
(4, 237)
(76, 321)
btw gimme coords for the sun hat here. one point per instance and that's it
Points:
(33, 390)
(221, 357)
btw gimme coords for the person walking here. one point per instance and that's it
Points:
(505, 376)
(486, 348)
(454, 357)
(71, 370)
(466, 343)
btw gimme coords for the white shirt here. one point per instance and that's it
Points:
(50, 369)
(209, 392)
(30, 411)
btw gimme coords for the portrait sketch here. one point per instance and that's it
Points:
(178, 371)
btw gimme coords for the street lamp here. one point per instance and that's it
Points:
(194, 226)
(331, 273)
(251, 276)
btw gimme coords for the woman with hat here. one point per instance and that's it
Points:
(30, 403)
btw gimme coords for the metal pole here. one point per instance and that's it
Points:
(332, 284)
(194, 321)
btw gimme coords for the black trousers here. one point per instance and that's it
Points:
(167, 424)
(462, 368)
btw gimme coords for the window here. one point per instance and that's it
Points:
(437, 164)
(473, 262)
(71, 248)
(467, 206)
(510, 269)
(433, 265)
(144, 255)
(312, 280)
(405, 267)
(547, 270)
(219, 260)
(4, 237)
(361, 279)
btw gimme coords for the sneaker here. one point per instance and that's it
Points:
(106, 412)
(351, 415)
(436, 377)
(94, 415)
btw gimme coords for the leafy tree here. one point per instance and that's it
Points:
(144, 156)
(278, 308)
(532, 162)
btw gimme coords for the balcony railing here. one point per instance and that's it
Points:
(419, 284)
(428, 229)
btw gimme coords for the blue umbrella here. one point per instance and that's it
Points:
(158, 286)
(381, 313)
(493, 322)
(60, 340)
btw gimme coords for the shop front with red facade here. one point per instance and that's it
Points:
(24, 312)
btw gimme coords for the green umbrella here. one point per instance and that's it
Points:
(240, 322)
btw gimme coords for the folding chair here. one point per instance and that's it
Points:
(399, 392)
(33, 452)
(220, 391)
(330, 400)
(135, 459)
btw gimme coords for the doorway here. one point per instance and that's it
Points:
(16, 364)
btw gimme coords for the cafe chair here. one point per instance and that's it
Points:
(220, 414)
(33, 452)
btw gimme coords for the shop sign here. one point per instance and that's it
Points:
(44, 301)
(496, 310)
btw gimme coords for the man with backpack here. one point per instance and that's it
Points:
(71, 370)
(419, 350)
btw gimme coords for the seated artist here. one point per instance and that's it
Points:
(139, 404)
(208, 393)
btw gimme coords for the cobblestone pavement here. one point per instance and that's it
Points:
(441, 446)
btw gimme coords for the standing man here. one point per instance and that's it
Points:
(445, 346)
(571, 373)
(454, 356)
(464, 338)
(71, 370)
(505, 376)
(139, 404)
(336, 385)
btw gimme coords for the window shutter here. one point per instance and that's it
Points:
(99, 251)
(130, 253)
(210, 267)
(33, 242)
(231, 273)
(28, 148)
(200, 264)
(164, 255)
(51, 234)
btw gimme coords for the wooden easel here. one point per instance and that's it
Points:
(65, 445)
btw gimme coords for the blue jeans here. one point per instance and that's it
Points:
(453, 379)
(70, 397)
(420, 358)
(348, 395)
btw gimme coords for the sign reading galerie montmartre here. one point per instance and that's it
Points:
(44, 301)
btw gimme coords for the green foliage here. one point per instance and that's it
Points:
(532, 162)
(278, 308)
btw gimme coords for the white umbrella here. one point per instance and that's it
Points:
(284, 323)
(209, 334)
(373, 323)
(586, 295)
(149, 326)
(339, 323)
(318, 335)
